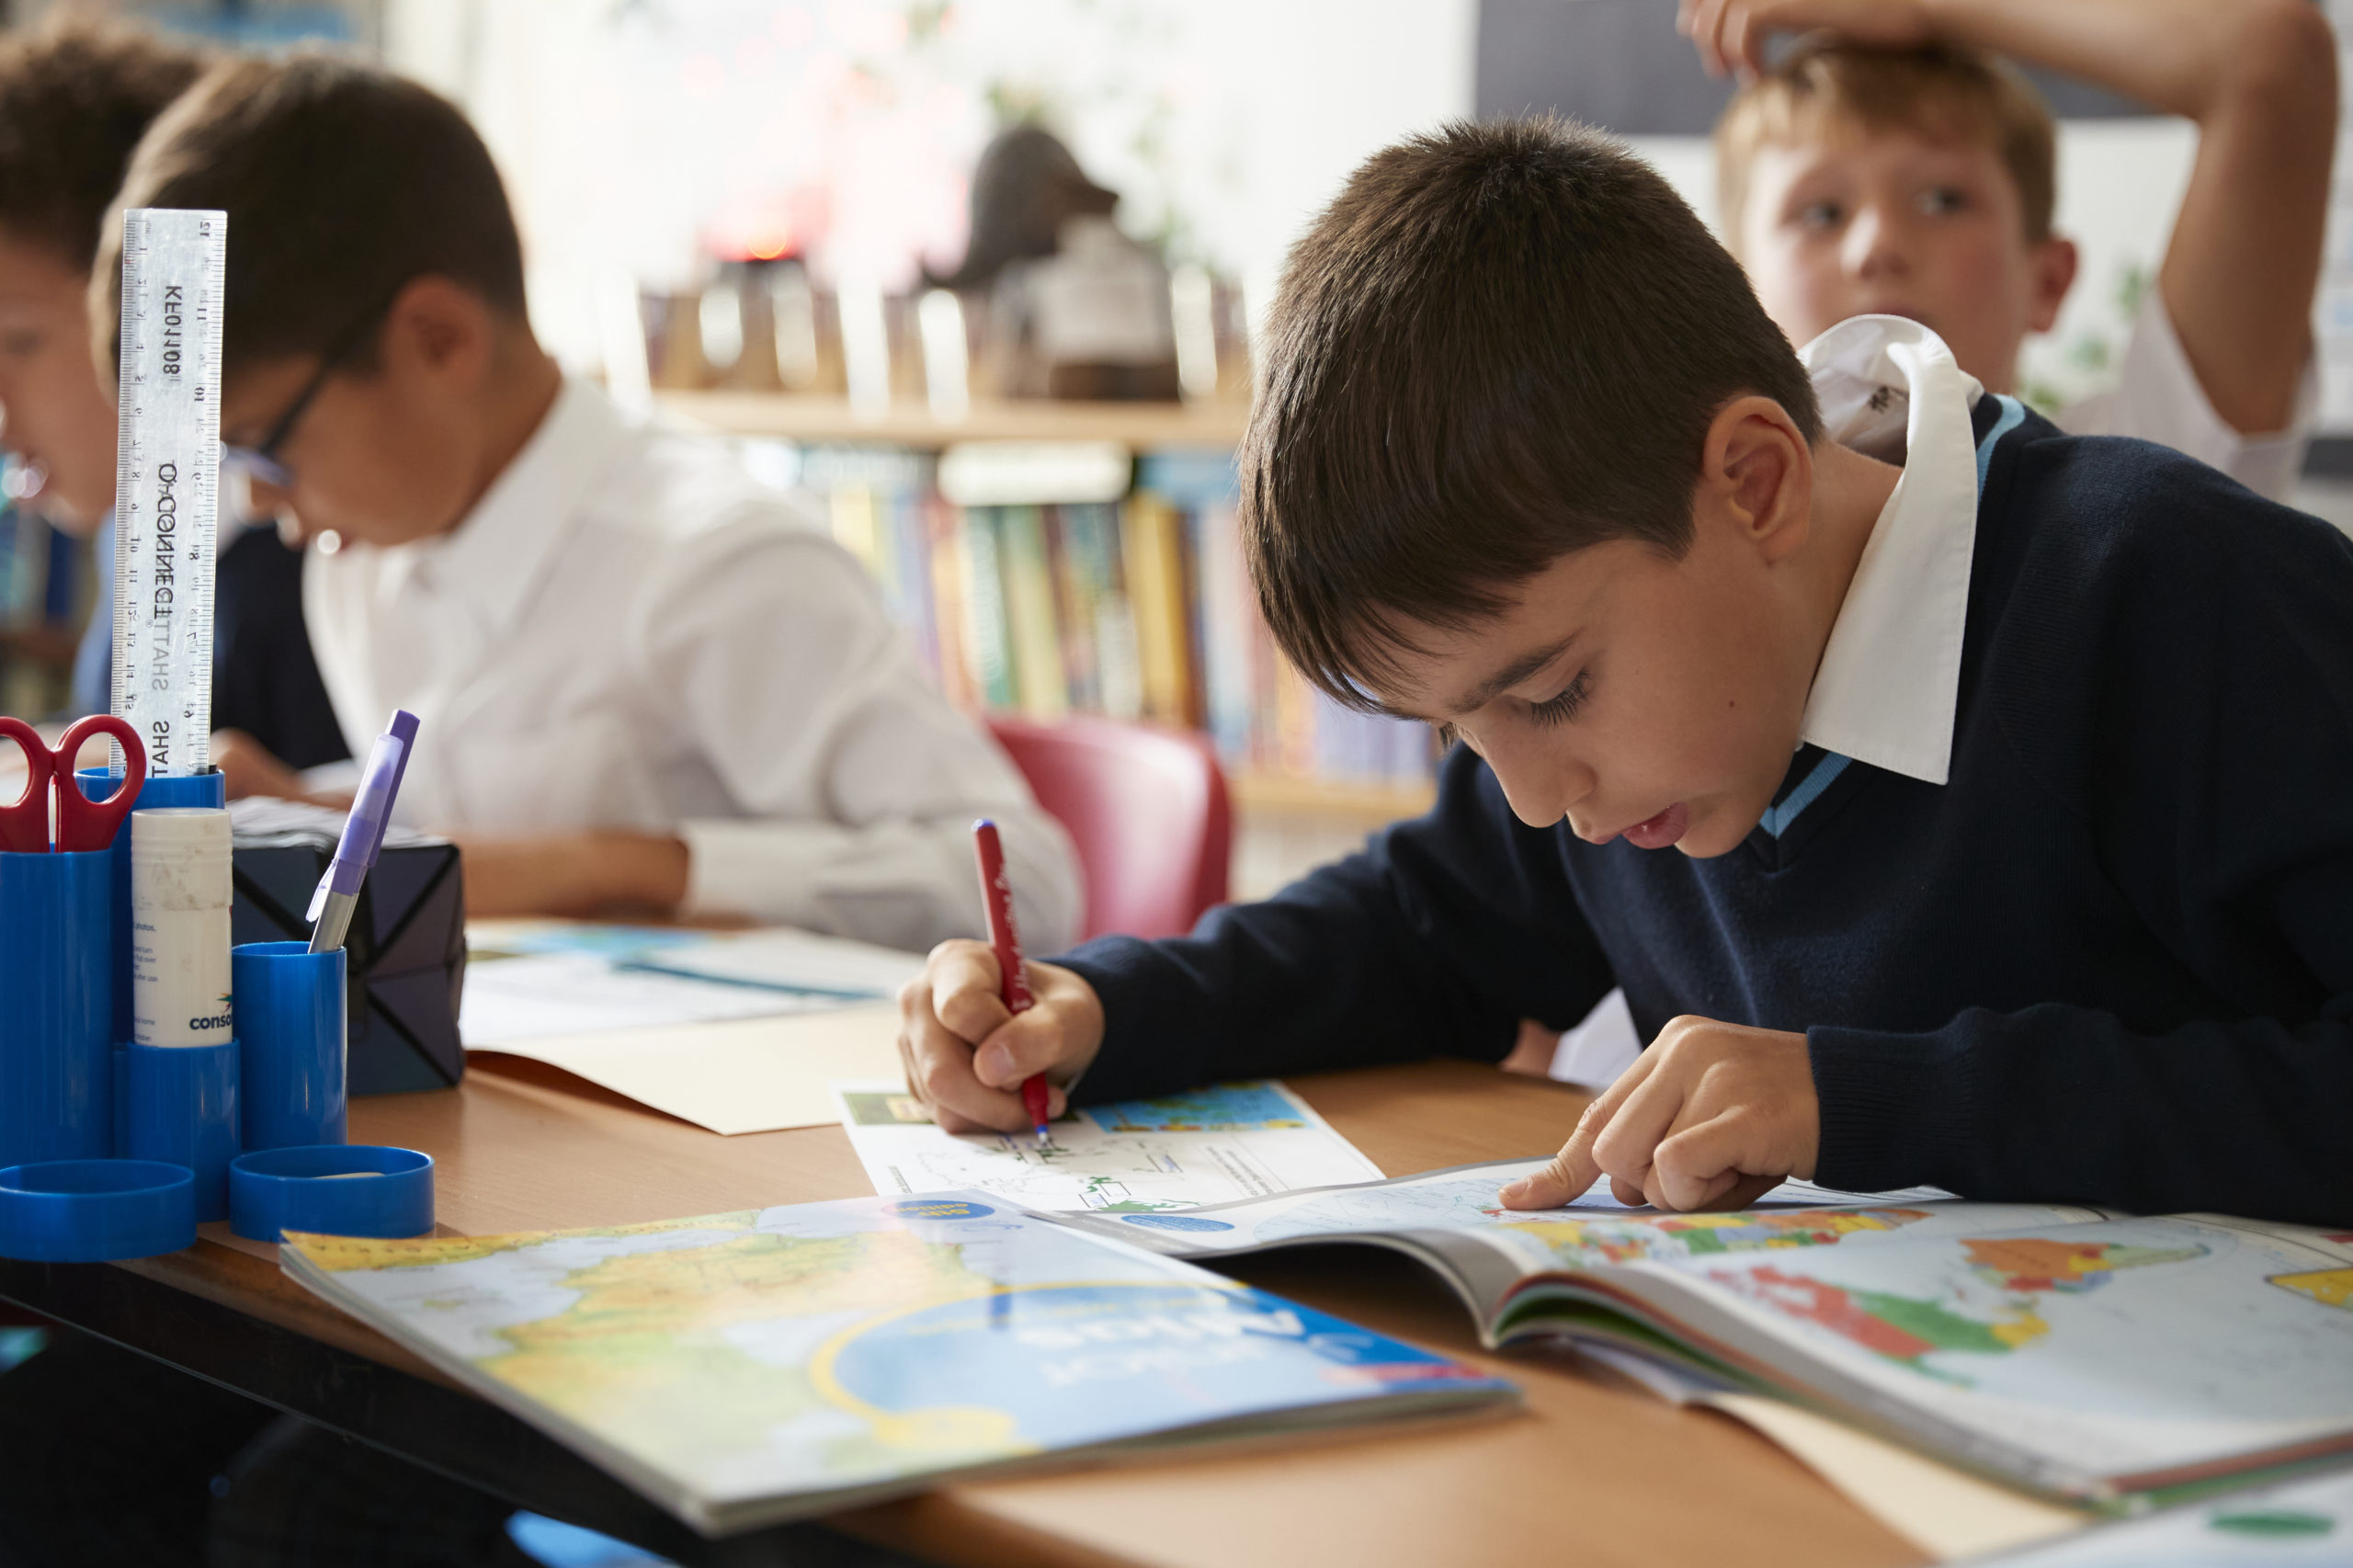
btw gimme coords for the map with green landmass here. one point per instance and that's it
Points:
(823, 1346)
(2023, 1269)
(2158, 1320)
(1650, 1236)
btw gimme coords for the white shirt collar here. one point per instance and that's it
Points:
(495, 557)
(1889, 681)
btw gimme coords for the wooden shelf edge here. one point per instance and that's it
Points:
(1278, 792)
(800, 417)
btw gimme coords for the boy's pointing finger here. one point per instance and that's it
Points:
(1564, 1178)
(1569, 1172)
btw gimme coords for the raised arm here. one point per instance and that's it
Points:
(2257, 76)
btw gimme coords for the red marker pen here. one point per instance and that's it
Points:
(1013, 986)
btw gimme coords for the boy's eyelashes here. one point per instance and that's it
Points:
(1559, 710)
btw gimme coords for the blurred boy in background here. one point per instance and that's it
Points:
(646, 681)
(73, 102)
(1890, 165)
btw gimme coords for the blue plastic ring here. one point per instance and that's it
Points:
(332, 1189)
(95, 1210)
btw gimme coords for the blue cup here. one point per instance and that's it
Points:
(56, 1010)
(95, 1210)
(340, 1190)
(181, 1107)
(194, 792)
(288, 1002)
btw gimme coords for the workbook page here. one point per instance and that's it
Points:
(1136, 1158)
(530, 980)
(1595, 1229)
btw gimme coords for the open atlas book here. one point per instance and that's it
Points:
(2086, 1355)
(748, 1368)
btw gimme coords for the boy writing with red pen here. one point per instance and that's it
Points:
(1956, 802)
(1004, 947)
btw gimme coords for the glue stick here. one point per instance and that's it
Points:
(180, 893)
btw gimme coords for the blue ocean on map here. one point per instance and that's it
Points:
(1076, 1364)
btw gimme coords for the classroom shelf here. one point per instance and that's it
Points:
(1145, 427)
(1373, 803)
(1282, 804)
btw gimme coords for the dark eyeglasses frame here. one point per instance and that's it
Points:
(262, 462)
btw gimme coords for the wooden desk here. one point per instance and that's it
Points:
(1592, 1473)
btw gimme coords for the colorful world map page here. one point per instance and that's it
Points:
(1212, 1145)
(2081, 1353)
(2088, 1361)
(748, 1368)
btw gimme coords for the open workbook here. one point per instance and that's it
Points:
(2086, 1355)
(748, 1367)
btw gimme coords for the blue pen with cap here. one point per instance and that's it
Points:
(290, 995)
(363, 833)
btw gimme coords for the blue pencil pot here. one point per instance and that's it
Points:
(336, 1192)
(289, 1007)
(181, 1107)
(56, 1007)
(94, 1210)
(202, 789)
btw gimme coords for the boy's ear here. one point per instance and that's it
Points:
(441, 328)
(2054, 263)
(1756, 474)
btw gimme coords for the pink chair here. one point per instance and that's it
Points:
(1147, 808)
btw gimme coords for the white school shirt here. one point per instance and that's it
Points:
(630, 631)
(2158, 398)
(1888, 688)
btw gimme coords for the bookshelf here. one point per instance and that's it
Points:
(1142, 426)
(879, 468)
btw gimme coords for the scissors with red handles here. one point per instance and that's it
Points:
(82, 823)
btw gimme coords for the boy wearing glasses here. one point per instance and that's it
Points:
(646, 681)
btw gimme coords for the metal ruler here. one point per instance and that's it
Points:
(167, 482)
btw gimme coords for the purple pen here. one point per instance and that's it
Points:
(363, 833)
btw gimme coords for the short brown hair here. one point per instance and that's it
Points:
(1501, 343)
(341, 183)
(1940, 90)
(74, 100)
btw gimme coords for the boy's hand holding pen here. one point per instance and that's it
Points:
(981, 1032)
(966, 1054)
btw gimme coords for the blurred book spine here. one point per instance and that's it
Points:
(1140, 608)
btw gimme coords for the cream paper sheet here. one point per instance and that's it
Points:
(733, 1076)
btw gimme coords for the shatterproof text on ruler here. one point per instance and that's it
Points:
(167, 481)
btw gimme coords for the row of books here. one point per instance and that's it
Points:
(1136, 609)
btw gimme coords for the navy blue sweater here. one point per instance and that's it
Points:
(2111, 961)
